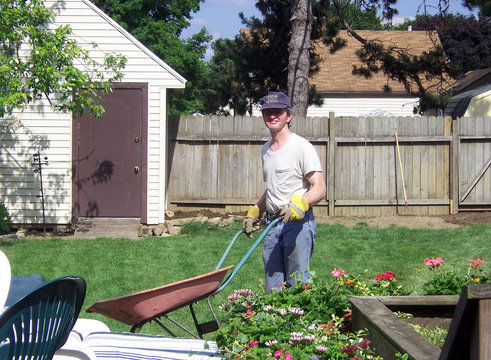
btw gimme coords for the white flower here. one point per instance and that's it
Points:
(244, 292)
(271, 343)
(248, 304)
(224, 306)
(281, 311)
(295, 311)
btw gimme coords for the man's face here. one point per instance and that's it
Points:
(276, 119)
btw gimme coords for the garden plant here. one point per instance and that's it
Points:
(312, 321)
(347, 262)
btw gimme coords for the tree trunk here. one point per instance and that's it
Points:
(299, 56)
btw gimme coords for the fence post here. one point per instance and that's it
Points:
(454, 168)
(332, 150)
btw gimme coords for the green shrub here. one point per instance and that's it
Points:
(5, 223)
(445, 282)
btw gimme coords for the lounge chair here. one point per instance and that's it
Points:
(40, 322)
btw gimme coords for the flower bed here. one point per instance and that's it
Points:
(313, 320)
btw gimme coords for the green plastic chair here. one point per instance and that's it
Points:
(39, 323)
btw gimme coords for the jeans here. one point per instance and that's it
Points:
(287, 250)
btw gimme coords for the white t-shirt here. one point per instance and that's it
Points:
(285, 170)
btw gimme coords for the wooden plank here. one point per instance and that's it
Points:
(476, 180)
(384, 202)
(390, 139)
(388, 333)
(331, 195)
(462, 337)
(454, 168)
(484, 329)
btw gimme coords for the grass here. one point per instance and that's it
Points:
(115, 267)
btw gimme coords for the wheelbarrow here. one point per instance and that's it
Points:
(142, 307)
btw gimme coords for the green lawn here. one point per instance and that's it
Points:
(114, 267)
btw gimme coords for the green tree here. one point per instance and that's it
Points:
(484, 6)
(37, 61)
(158, 24)
(260, 56)
(465, 39)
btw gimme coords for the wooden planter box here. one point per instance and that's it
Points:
(390, 334)
(467, 318)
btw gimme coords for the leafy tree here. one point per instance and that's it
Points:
(261, 61)
(158, 24)
(38, 61)
(260, 56)
(484, 6)
(465, 39)
(224, 89)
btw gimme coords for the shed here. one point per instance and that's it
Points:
(471, 103)
(113, 167)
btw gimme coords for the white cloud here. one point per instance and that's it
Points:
(396, 20)
(198, 21)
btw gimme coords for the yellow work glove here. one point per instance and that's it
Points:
(252, 222)
(296, 208)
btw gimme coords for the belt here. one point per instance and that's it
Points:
(269, 216)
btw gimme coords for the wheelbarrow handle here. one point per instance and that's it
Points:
(246, 256)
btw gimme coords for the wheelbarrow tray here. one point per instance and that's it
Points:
(143, 306)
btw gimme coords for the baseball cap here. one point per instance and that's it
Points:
(275, 100)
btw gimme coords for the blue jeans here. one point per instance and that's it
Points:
(287, 250)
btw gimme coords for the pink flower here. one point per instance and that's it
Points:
(433, 263)
(249, 314)
(288, 356)
(253, 343)
(277, 354)
(338, 272)
(475, 263)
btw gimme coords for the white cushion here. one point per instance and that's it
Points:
(128, 346)
(5, 278)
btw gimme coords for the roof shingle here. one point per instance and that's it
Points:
(335, 70)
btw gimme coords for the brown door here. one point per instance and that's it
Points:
(109, 157)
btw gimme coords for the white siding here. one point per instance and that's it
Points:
(362, 106)
(480, 105)
(51, 132)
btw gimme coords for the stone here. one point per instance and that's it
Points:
(159, 230)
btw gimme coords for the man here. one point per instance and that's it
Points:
(294, 183)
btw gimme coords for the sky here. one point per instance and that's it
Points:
(221, 17)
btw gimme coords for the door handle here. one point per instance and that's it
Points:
(137, 169)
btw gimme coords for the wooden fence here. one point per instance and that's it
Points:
(214, 162)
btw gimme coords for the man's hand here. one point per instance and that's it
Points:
(296, 208)
(252, 221)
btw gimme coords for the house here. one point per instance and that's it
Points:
(471, 80)
(471, 103)
(472, 95)
(346, 94)
(113, 167)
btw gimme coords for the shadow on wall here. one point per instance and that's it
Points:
(20, 181)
